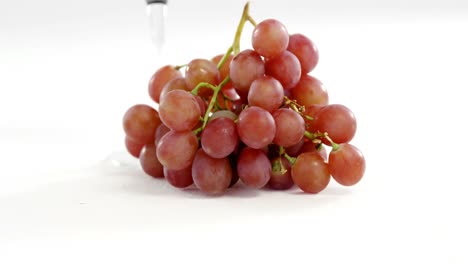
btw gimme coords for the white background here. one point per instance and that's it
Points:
(70, 69)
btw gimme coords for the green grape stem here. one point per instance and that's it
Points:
(318, 135)
(234, 48)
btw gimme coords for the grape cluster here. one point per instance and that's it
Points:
(257, 115)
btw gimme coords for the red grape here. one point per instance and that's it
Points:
(149, 162)
(286, 68)
(160, 78)
(176, 150)
(219, 138)
(347, 164)
(338, 121)
(244, 69)
(179, 110)
(140, 123)
(305, 50)
(310, 146)
(256, 127)
(310, 172)
(160, 132)
(179, 178)
(290, 127)
(133, 147)
(309, 90)
(210, 175)
(253, 167)
(267, 93)
(270, 38)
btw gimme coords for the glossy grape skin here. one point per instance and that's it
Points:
(210, 175)
(256, 127)
(290, 127)
(338, 121)
(140, 123)
(160, 78)
(133, 148)
(176, 150)
(223, 113)
(179, 110)
(253, 167)
(201, 70)
(305, 50)
(310, 146)
(174, 84)
(179, 178)
(244, 69)
(309, 90)
(267, 93)
(280, 180)
(286, 68)
(150, 163)
(270, 38)
(310, 172)
(347, 164)
(219, 138)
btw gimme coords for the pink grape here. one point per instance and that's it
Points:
(210, 175)
(179, 178)
(267, 93)
(290, 127)
(286, 68)
(347, 164)
(140, 123)
(256, 127)
(133, 147)
(150, 163)
(253, 167)
(176, 150)
(201, 70)
(244, 69)
(179, 110)
(338, 121)
(219, 138)
(305, 50)
(280, 180)
(310, 172)
(309, 90)
(270, 38)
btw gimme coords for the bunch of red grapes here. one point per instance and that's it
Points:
(256, 115)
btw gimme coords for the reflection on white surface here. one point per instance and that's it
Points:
(63, 97)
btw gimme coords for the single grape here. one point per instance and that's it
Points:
(286, 68)
(149, 162)
(174, 84)
(179, 178)
(244, 69)
(280, 174)
(160, 78)
(309, 90)
(179, 110)
(133, 147)
(256, 127)
(295, 149)
(270, 38)
(140, 123)
(253, 167)
(219, 138)
(305, 50)
(210, 175)
(338, 121)
(310, 172)
(267, 93)
(347, 164)
(290, 127)
(310, 146)
(176, 150)
(201, 70)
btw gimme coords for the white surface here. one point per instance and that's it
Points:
(69, 70)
